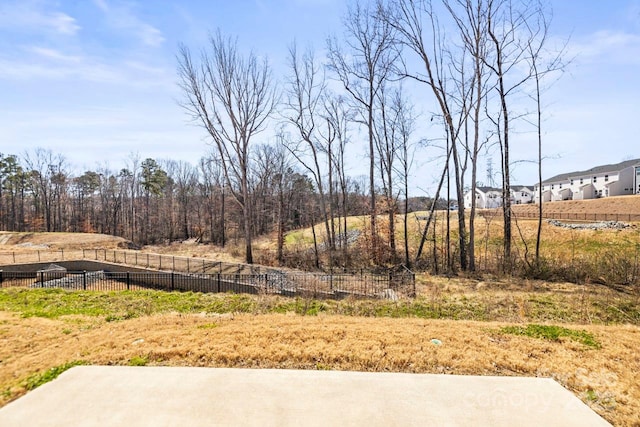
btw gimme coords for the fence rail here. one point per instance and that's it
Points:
(327, 286)
(131, 258)
(581, 216)
(197, 275)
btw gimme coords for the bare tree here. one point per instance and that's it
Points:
(212, 190)
(339, 116)
(273, 176)
(232, 97)
(419, 30)
(542, 62)
(470, 19)
(404, 119)
(185, 178)
(303, 110)
(363, 67)
(507, 23)
(47, 171)
(387, 149)
(393, 132)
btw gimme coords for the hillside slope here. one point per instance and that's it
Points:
(15, 240)
(622, 205)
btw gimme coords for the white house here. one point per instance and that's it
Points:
(522, 194)
(601, 181)
(490, 197)
(486, 198)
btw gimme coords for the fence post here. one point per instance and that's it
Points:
(413, 280)
(218, 283)
(173, 280)
(136, 259)
(128, 281)
(1, 278)
(84, 280)
(188, 265)
(173, 260)
(160, 268)
(14, 257)
(62, 253)
(42, 277)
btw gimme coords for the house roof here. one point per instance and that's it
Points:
(487, 189)
(617, 167)
(522, 187)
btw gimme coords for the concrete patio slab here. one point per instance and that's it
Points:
(162, 396)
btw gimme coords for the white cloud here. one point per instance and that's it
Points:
(53, 54)
(62, 23)
(121, 16)
(51, 64)
(617, 46)
(30, 16)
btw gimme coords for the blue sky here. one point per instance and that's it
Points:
(95, 80)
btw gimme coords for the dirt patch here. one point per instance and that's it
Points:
(31, 241)
(604, 378)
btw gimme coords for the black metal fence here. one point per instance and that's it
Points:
(306, 285)
(202, 275)
(131, 258)
(581, 216)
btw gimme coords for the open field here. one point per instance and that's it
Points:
(55, 329)
(583, 334)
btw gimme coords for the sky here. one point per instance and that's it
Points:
(96, 80)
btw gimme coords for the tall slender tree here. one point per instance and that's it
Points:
(232, 97)
(363, 67)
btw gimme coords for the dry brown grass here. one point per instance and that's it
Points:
(16, 241)
(604, 378)
(191, 249)
(623, 205)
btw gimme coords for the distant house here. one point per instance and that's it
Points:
(522, 194)
(601, 181)
(486, 198)
(490, 197)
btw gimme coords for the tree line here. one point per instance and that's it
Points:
(156, 201)
(481, 64)
(477, 61)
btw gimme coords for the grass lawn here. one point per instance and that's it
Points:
(481, 330)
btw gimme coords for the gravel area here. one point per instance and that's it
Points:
(609, 225)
